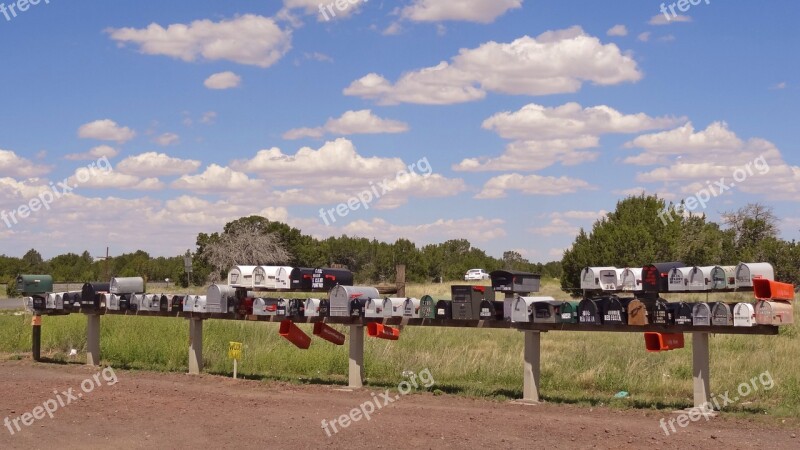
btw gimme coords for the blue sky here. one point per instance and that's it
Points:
(535, 117)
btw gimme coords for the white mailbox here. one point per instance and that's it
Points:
(411, 308)
(188, 303)
(679, 278)
(374, 308)
(744, 315)
(114, 303)
(700, 278)
(127, 285)
(590, 277)
(723, 277)
(745, 272)
(283, 277)
(341, 298)
(522, 308)
(316, 307)
(217, 296)
(393, 307)
(265, 277)
(631, 279)
(241, 276)
(610, 279)
(200, 304)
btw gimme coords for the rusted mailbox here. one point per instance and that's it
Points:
(515, 282)
(701, 315)
(721, 315)
(774, 313)
(744, 315)
(637, 313)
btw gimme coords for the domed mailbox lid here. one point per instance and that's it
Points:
(700, 278)
(126, 285)
(679, 279)
(569, 312)
(723, 277)
(342, 299)
(681, 313)
(316, 307)
(31, 285)
(427, 307)
(637, 313)
(218, 296)
(631, 280)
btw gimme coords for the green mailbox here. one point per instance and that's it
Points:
(427, 307)
(569, 312)
(30, 285)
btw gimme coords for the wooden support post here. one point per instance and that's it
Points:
(700, 370)
(356, 356)
(195, 346)
(36, 337)
(532, 366)
(93, 340)
(400, 279)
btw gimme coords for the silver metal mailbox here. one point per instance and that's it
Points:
(701, 315)
(136, 301)
(547, 311)
(127, 285)
(241, 276)
(266, 276)
(590, 278)
(150, 302)
(411, 308)
(745, 272)
(723, 277)
(631, 279)
(700, 278)
(316, 307)
(721, 315)
(744, 315)
(679, 278)
(374, 308)
(522, 308)
(114, 303)
(342, 296)
(218, 296)
(188, 303)
(200, 304)
(27, 303)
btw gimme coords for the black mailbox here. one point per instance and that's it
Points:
(515, 282)
(325, 279)
(300, 279)
(658, 312)
(655, 277)
(613, 309)
(357, 307)
(444, 309)
(681, 313)
(177, 303)
(589, 312)
(90, 294)
(467, 301)
(491, 310)
(70, 300)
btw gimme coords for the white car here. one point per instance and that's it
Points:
(476, 275)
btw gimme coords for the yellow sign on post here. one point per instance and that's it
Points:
(235, 353)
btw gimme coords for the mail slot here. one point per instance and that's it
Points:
(569, 312)
(631, 280)
(283, 278)
(679, 279)
(300, 279)
(374, 308)
(411, 308)
(316, 307)
(744, 315)
(444, 309)
(723, 277)
(32, 285)
(746, 272)
(126, 285)
(241, 276)
(613, 309)
(655, 277)
(515, 282)
(220, 297)
(610, 279)
(765, 289)
(427, 307)
(547, 311)
(326, 278)
(774, 313)
(637, 313)
(681, 313)
(589, 312)
(267, 306)
(700, 278)
(590, 278)
(90, 294)
(342, 298)
(491, 310)
(721, 314)
(467, 300)
(701, 315)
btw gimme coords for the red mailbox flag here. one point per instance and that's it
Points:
(295, 335)
(382, 332)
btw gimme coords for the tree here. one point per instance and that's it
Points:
(243, 242)
(751, 225)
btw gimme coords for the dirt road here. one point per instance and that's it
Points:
(144, 410)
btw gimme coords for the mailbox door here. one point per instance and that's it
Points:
(569, 312)
(427, 307)
(444, 309)
(521, 309)
(658, 313)
(721, 315)
(744, 315)
(637, 313)
(701, 315)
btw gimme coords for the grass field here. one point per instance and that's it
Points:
(576, 367)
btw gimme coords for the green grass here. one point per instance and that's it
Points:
(586, 368)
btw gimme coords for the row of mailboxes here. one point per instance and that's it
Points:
(674, 277)
(288, 278)
(515, 282)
